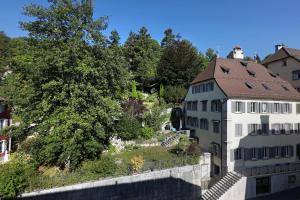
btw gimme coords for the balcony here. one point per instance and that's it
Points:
(270, 169)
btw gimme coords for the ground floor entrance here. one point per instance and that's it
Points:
(263, 185)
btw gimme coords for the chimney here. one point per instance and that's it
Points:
(279, 46)
(236, 53)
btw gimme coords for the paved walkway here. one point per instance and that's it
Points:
(293, 194)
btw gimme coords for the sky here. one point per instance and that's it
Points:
(255, 25)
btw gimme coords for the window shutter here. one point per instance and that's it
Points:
(269, 105)
(249, 129)
(291, 151)
(282, 151)
(246, 154)
(260, 107)
(272, 105)
(281, 108)
(259, 131)
(271, 152)
(260, 153)
(231, 155)
(233, 106)
(290, 108)
(243, 107)
(248, 107)
(298, 108)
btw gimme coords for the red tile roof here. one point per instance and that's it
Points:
(284, 52)
(234, 83)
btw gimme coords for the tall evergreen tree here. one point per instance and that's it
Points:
(169, 38)
(143, 54)
(73, 83)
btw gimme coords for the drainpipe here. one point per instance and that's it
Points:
(223, 101)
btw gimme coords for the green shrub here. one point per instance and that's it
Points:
(128, 128)
(14, 176)
(105, 166)
(194, 149)
(147, 132)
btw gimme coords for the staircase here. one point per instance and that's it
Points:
(222, 186)
(169, 140)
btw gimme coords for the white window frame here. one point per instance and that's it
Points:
(265, 153)
(264, 107)
(277, 152)
(252, 107)
(238, 107)
(276, 107)
(254, 155)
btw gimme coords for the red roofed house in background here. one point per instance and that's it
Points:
(5, 121)
(285, 62)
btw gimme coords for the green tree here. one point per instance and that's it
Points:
(143, 54)
(210, 54)
(74, 81)
(4, 51)
(114, 38)
(133, 90)
(169, 38)
(179, 64)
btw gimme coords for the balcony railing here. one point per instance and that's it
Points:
(270, 169)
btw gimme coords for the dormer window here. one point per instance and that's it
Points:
(244, 63)
(225, 69)
(285, 88)
(251, 73)
(249, 85)
(266, 86)
(272, 74)
(284, 62)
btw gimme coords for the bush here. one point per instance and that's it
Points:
(194, 149)
(128, 128)
(15, 175)
(147, 133)
(105, 166)
(137, 163)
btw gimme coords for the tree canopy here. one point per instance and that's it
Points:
(71, 81)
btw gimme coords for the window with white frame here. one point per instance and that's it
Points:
(265, 152)
(276, 128)
(238, 154)
(238, 107)
(204, 105)
(285, 107)
(276, 107)
(253, 107)
(216, 126)
(277, 152)
(264, 128)
(238, 130)
(204, 124)
(216, 149)
(254, 154)
(264, 107)
(297, 128)
(253, 129)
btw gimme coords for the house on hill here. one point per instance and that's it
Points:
(285, 62)
(249, 119)
(5, 121)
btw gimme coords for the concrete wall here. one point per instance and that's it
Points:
(237, 191)
(178, 183)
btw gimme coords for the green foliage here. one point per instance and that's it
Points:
(105, 166)
(67, 82)
(133, 90)
(4, 51)
(14, 176)
(143, 54)
(179, 64)
(147, 132)
(174, 94)
(154, 118)
(128, 128)
(161, 91)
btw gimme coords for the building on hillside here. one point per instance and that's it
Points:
(285, 62)
(5, 121)
(249, 119)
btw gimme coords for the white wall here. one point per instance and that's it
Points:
(248, 141)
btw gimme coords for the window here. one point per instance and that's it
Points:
(287, 151)
(1, 124)
(251, 73)
(204, 105)
(249, 85)
(189, 105)
(285, 88)
(298, 89)
(216, 126)
(2, 108)
(253, 107)
(284, 62)
(272, 74)
(276, 152)
(292, 179)
(204, 124)
(238, 107)
(205, 87)
(276, 107)
(216, 149)
(287, 128)
(296, 75)
(265, 152)
(253, 129)
(244, 63)
(265, 128)
(216, 169)
(1, 145)
(264, 107)
(297, 128)
(238, 130)
(263, 185)
(238, 154)
(215, 106)
(225, 69)
(266, 86)
(254, 154)
(285, 108)
(276, 128)
(194, 105)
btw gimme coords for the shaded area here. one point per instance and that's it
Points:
(292, 194)
(159, 189)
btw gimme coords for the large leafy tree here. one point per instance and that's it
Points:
(179, 64)
(4, 51)
(143, 53)
(71, 80)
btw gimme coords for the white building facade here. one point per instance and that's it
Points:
(249, 119)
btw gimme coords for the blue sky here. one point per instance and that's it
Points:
(255, 25)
